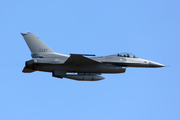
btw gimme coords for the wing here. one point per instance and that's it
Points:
(78, 59)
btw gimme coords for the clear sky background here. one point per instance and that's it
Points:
(149, 29)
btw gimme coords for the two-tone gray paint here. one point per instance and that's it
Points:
(86, 68)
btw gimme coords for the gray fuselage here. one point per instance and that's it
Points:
(107, 64)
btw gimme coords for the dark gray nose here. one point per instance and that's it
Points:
(155, 64)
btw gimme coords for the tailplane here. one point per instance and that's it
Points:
(38, 48)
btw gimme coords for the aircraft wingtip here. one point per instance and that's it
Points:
(24, 33)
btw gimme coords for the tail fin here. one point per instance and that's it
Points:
(38, 48)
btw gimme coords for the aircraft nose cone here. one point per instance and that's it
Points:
(155, 64)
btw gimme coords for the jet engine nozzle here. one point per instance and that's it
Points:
(31, 64)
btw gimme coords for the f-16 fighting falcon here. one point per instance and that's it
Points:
(84, 68)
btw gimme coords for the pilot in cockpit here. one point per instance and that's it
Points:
(129, 55)
(119, 55)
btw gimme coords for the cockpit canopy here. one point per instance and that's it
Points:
(130, 55)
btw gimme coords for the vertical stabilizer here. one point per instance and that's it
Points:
(35, 44)
(38, 48)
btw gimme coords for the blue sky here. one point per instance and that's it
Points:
(149, 29)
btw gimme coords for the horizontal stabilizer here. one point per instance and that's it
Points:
(80, 60)
(27, 70)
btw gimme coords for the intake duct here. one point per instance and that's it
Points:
(79, 76)
(84, 77)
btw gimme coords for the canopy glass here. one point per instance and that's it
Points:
(130, 55)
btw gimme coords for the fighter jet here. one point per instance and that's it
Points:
(81, 67)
